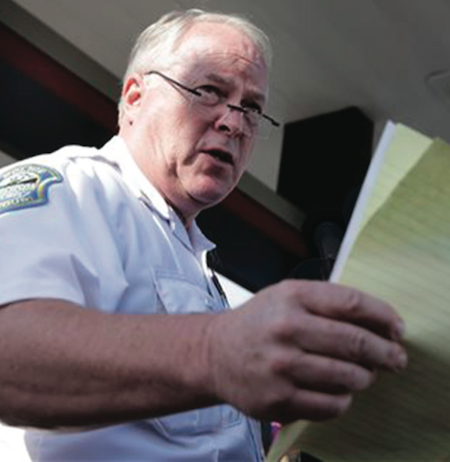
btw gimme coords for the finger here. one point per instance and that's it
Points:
(336, 339)
(347, 304)
(313, 405)
(329, 375)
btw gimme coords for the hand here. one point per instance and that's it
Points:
(301, 349)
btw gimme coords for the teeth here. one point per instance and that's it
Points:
(223, 156)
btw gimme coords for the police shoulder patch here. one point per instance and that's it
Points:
(26, 186)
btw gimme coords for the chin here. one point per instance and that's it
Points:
(211, 197)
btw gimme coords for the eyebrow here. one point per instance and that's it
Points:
(255, 95)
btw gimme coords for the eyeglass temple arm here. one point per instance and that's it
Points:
(272, 121)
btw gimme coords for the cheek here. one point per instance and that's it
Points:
(188, 129)
(180, 136)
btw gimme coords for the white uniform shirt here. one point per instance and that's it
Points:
(95, 232)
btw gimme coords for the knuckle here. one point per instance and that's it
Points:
(283, 332)
(289, 288)
(348, 379)
(282, 364)
(357, 346)
(353, 303)
(355, 378)
(397, 358)
(284, 327)
(279, 365)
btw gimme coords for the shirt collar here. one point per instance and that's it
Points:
(117, 151)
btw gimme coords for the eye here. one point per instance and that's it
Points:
(209, 89)
(209, 94)
(252, 108)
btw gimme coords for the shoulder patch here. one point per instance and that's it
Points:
(26, 186)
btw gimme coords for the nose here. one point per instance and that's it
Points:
(231, 121)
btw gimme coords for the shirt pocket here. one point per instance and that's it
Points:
(179, 295)
(202, 421)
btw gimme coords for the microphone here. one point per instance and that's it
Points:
(328, 237)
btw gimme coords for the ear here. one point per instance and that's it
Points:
(132, 95)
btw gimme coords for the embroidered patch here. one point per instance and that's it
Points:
(26, 186)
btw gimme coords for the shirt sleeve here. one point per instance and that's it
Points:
(63, 247)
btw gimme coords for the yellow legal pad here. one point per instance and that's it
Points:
(397, 247)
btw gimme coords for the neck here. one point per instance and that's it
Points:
(187, 222)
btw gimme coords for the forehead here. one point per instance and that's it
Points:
(222, 49)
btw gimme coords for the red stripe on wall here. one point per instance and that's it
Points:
(271, 226)
(25, 57)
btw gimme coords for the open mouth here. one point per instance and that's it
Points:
(223, 156)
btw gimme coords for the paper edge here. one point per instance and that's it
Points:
(360, 206)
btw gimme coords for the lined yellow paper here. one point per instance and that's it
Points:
(405, 149)
(400, 148)
(401, 254)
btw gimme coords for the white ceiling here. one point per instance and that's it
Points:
(329, 54)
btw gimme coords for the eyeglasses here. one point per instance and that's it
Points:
(255, 122)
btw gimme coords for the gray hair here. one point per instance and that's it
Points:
(161, 38)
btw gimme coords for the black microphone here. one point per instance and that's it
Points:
(328, 238)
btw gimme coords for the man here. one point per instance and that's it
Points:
(115, 343)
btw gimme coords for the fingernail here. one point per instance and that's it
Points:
(399, 329)
(402, 360)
